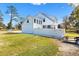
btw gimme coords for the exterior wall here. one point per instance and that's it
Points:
(38, 29)
(37, 26)
(27, 27)
(57, 33)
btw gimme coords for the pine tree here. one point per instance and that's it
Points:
(13, 13)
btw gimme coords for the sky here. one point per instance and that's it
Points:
(58, 10)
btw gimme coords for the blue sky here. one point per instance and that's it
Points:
(58, 10)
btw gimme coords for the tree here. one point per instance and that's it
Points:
(18, 26)
(1, 20)
(74, 17)
(71, 21)
(75, 13)
(1, 16)
(66, 22)
(13, 13)
(77, 25)
(19, 22)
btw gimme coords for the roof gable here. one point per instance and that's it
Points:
(42, 15)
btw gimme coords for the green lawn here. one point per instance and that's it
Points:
(27, 45)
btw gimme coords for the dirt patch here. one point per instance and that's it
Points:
(67, 49)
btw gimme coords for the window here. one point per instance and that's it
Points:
(27, 21)
(37, 21)
(44, 26)
(53, 27)
(34, 20)
(40, 22)
(49, 26)
(44, 20)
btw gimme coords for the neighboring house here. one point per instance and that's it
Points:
(42, 24)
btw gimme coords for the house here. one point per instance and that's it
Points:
(42, 24)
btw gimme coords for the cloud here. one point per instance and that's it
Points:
(74, 4)
(38, 3)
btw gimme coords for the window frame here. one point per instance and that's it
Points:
(34, 20)
(27, 21)
(49, 26)
(44, 20)
(44, 26)
(37, 21)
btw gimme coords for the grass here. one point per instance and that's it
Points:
(27, 45)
